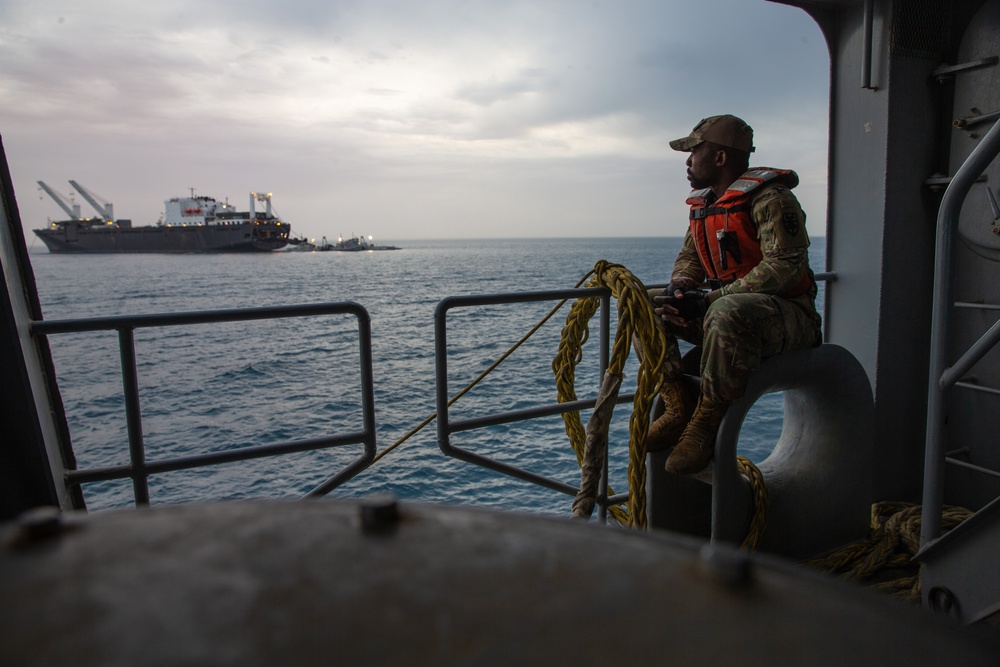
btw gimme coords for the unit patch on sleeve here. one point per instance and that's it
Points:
(791, 222)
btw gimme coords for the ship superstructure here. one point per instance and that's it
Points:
(190, 224)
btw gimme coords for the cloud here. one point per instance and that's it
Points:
(486, 93)
(410, 117)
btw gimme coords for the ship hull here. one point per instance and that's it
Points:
(243, 237)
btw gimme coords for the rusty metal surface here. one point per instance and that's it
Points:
(329, 582)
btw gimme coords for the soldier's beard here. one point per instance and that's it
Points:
(696, 183)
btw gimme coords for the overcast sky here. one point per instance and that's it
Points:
(404, 119)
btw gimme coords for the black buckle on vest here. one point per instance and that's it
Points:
(699, 213)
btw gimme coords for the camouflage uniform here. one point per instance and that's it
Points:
(746, 320)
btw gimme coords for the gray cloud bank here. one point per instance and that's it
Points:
(402, 119)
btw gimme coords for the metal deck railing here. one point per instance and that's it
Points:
(446, 426)
(942, 377)
(139, 469)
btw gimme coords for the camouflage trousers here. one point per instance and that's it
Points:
(738, 332)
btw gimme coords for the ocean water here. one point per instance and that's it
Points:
(215, 387)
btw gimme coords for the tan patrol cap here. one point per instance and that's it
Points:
(724, 130)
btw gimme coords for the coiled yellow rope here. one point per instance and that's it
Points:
(636, 320)
(893, 540)
(895, 527)
(758, 491)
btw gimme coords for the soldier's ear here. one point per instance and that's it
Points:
(721, 156)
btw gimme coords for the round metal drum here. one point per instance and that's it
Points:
(381, 583)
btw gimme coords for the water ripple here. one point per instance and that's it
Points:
(215, 387)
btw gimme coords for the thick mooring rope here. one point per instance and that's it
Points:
(893, 541)
(758, 491)
(895, 527)
(636, 321)
(635, 318)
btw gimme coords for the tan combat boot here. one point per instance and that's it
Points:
(696, 446)
(679, 400)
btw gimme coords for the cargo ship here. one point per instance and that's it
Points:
(189, 225)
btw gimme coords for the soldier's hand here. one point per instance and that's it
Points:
(679, 305)
(674, 290)
(668, 305)
(694, 305)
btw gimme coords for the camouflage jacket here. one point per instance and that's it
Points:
(780, 225)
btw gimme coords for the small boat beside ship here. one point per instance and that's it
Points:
(189, 225)
(354, 244)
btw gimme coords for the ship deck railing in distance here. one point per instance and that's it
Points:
(446, 426)
(139, 469)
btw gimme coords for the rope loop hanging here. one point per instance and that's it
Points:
(758, 522)
(636, 322)
(635, 319)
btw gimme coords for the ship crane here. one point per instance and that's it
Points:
(260, 197)
(103, 207)
(72, 209)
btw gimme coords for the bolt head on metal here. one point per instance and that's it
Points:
(39, 522)
(379, 512)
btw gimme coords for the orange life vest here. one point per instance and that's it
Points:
(723, 231)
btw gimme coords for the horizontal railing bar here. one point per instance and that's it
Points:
(45, 327)
(450, 302)
(978, 387)
(946, 70)
(966, 123)
(87, 475)
(256, 452)
(471, 423)
(972, 466)
(511, 470)
(977, 306)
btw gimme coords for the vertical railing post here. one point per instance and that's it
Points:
(367, 377)
(367, 409)
(441, 370)
(133, 416)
